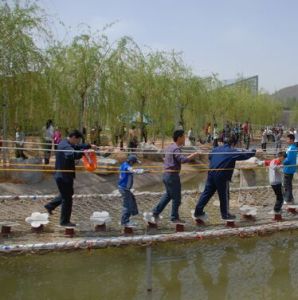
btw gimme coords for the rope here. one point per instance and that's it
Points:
(185, 192)
(133, 150)
(24, 142)
(104, 167)
(147, 170)
(42, 143)
(139, 152)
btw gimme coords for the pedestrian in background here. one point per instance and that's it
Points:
(57, 137)
(48, 134)
(20, 140)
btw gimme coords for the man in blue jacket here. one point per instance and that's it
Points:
(289, 168)
(67, 153)
(222, 164)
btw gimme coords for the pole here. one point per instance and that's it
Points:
(149, 268)
(4, 117)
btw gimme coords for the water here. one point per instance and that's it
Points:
(253, 268)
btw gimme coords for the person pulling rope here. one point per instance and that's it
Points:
(65, 160)
(219, 180)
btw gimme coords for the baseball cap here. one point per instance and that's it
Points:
(133, 158)
(228, 140)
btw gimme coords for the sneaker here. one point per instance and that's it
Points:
(50, 211)
(178, 221)
(156, 218)
(289, 202)
(69, 224)
(203, 218)
(131, 224)
(229, 217)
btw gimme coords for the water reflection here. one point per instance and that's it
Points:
(254, 268)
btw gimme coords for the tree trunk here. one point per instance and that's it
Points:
(181, 116)
(142, 109)
(82, 112)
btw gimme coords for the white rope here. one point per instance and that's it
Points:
(116, 194)
(130, 150)
(42, 149)
(139, 151)
(24, 142)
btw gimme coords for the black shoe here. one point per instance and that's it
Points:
(69, 224)
(229, 217)
(50, 211)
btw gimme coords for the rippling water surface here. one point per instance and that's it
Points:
(252, 268)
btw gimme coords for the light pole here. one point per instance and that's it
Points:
(4, 136)
(4, 120)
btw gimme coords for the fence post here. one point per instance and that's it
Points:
(149, 268)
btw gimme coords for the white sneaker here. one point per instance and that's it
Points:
(156, 219)
(149, 217)
(272, 212)
(289, 202)
(203, 218)
(131, 224)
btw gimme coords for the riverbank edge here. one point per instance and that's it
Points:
(147, 240)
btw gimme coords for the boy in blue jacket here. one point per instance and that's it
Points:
(125, 183)
(289, 169)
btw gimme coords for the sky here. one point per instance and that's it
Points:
(230, 38)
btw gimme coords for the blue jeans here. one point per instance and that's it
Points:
(130, 207)
(173, 192)
(214, 184)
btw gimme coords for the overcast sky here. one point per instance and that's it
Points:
(226, 37)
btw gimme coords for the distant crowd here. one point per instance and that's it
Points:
(222, 160)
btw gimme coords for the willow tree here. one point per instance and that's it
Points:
(77, 67)
(22, 28)
(63, 97)
(161, 110)
(114, 92)
(179, 74)
(92, 81)
(141, 73)
(293, 120)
